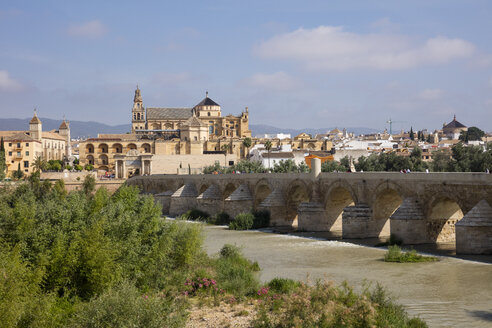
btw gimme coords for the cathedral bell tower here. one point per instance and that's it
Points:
(138, 112)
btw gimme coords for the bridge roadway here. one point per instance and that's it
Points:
(415, 207)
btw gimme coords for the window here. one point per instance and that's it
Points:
(27, 153)
(196, 138)
(208, 113)
(27, 144)
(10, 153)
(231, 163)
(18, 145)
(26, 164)
(19, 154)
(211, 129)
(10, 144)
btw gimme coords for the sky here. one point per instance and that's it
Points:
(294, 64)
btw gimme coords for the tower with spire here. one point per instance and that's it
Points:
(138, 112)
(35, 127)
(64, 130)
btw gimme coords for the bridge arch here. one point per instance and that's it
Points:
(338, 196)
(229, 189)
(261, 191)
(387, 198)
(442, 215)
(297, 192)
(201, 188)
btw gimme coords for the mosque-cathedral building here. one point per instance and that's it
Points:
(200, 135)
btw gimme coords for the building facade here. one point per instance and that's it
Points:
(23, 147)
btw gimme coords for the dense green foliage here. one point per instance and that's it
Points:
(463, 159)
(289, 166)
(242, 221)
(473, 133)
(332, 166)
(243, 166)
(392, 162)
(60, 250)
(395, 254)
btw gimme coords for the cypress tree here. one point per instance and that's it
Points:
(412, 136)
(3, 165)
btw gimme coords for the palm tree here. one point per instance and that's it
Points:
(247, 144)
(268, 146)
(39, 164)
(225, 148)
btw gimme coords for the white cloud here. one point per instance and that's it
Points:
(279, 81)
(91, 30)
(333, 48)
(431, 94)
(9, 84)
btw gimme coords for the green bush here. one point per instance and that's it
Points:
(195, 215)
(125, 306)
(394, 254)
(221, 219)
(235, 273)
(283, 285)
(261, 219)
(242, 221)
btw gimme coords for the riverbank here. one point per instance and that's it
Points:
(448, 293)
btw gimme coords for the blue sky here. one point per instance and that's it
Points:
(295, 64)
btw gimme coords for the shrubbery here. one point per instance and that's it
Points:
(242, 221)
(395, 254)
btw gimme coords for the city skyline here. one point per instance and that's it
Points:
(316, 65)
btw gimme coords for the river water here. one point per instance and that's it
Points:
(450, 293)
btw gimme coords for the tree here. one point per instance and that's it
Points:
(39, 164)
(247, 143)
(225, 148)
(412, 136)
(18, 174)
(3, 165)
(473, 133)
(268, 146)
(89, 184)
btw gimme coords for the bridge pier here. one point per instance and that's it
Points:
(408, 223)
(312, 217)
(275, 204)
(240, 201)
(356, 221)
(164, 198)
(183, 200)
(474, 231)
(210, 201)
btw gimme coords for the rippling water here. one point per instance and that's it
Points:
(449, 293)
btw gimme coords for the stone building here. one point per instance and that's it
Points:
(167, 140)
(23, 147)
(155, 120)
(453, 129)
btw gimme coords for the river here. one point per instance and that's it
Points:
(450, 293)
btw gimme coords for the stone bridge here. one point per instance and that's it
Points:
(415, 207)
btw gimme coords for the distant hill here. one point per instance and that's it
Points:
(80, 129)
